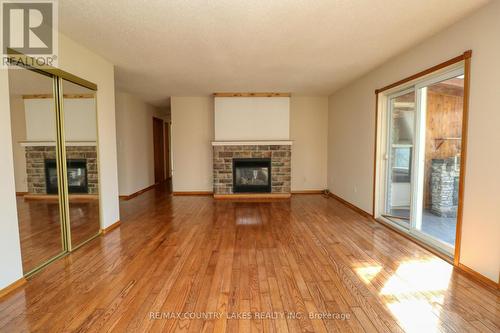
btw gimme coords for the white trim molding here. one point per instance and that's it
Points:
(53, 143)
(253, 143)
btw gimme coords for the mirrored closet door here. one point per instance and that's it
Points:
(80, 140)
(54, 143)
(36, 167)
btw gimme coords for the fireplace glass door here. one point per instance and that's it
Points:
(251, 175)
(80, 139)
(421, 164)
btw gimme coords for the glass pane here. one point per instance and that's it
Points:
(252, 176)
(80, 133)
(400, 157)
(443, 117)
(33, 123)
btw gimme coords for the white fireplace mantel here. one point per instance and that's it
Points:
(253, 143)
(53, 143)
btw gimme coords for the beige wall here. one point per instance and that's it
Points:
(80, 122)
(82, 62)
(193, 131)
(309, 130)
(252, 118)
(134, 133)
(352, 123)
(192, 134)
(18, 123)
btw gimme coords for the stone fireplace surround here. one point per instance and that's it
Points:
(35, 166)
(225, 152)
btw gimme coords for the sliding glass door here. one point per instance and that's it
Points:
(401, 136)
(439, 149)
(422, 161)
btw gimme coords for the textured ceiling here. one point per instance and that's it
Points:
(178, 47)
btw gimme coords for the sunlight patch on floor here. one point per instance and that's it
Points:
(367, 273)
(415, 316)
(419, 276)
(414, 289)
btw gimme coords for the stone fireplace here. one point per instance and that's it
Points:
(81, 167)
(252, 147)
(242, 168)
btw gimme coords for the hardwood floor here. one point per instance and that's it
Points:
(40, 228)
(39, 231)
(309, 256)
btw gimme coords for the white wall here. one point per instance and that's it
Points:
(80, 120)
(10, 260)
(134, 130)
(18, 123)
(352, 125)
(192, 133)
(252, 118)
(82, 62)
(309, 131)
(79, 61)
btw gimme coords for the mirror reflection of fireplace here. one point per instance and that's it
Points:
(251, 175)
(77, 176)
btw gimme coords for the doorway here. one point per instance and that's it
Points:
(159, 150)
(421, 162)
(168, 168)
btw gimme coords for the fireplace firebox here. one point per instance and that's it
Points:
(77, 176)
(252, 175)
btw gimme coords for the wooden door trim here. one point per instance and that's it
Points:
(463, 159)
(466, 58)
(466, 55)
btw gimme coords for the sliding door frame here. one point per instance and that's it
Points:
(57, 75)
(463, 60)
(388, 158)
(420, 135)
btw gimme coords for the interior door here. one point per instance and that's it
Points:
(159, 151)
